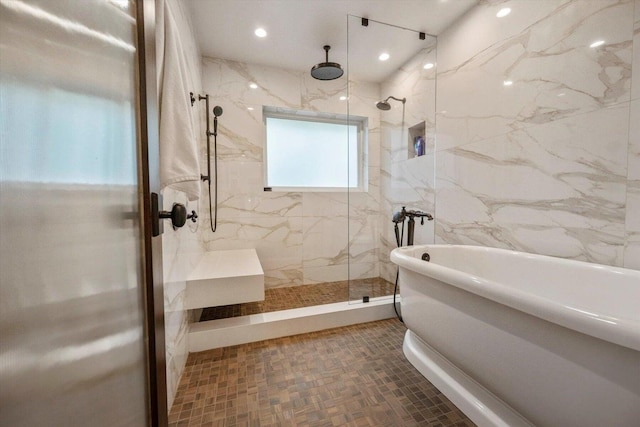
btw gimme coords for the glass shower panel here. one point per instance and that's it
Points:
(71, 308)
(398, 97)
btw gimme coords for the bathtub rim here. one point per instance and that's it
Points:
(624, 332)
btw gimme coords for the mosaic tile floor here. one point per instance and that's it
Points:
(350, 376)
(303, 296)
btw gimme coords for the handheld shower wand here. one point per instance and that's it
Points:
(217, 112)
(397, 218)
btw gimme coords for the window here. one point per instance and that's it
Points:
(310, 151)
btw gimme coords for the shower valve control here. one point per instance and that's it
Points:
(178, 215)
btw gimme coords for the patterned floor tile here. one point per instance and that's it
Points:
(303, 296)
(350, 376)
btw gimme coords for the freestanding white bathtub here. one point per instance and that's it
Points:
(519, 339)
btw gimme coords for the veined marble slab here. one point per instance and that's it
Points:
(543, 48)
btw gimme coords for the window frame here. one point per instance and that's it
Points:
(362, 125)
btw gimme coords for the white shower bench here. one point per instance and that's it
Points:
(225, 277)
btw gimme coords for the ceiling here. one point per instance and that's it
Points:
(298, 29)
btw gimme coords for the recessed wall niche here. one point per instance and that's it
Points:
(417, 140)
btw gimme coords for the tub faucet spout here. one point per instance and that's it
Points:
(400, 216)
(419, 214)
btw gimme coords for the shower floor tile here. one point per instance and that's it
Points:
(350, 376)
(276, 299)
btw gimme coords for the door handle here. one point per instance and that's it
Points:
(178, 215)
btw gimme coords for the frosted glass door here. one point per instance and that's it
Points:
(71, 309)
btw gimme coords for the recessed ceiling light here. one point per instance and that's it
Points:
(260, 32)
(343, 98)
(428, 66)
(250, 108)
(507, 82)
(503, 12)
(253, 86)
(597, 43)
(383, 56)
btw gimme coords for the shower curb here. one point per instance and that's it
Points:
(220, 333)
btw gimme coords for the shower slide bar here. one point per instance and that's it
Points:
(217, 111)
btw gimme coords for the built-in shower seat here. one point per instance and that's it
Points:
(224, 278)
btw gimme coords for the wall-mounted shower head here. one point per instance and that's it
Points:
(217, 111)
(385, 106)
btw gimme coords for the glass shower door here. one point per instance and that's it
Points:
(71, 286)
(398, 97)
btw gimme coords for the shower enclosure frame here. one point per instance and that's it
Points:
(149, 178)
(82, 313)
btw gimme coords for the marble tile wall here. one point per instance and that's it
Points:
(301, 237)
(178, 250)
(179, 246)
(549, 164)
(407, 180)
(632, 249)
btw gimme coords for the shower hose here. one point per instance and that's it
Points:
(399, 238)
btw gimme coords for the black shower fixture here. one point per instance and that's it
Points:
(327, 70)
(217, 112)
(385, 106)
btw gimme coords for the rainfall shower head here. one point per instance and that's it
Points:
(385, 106)
(327, 70)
